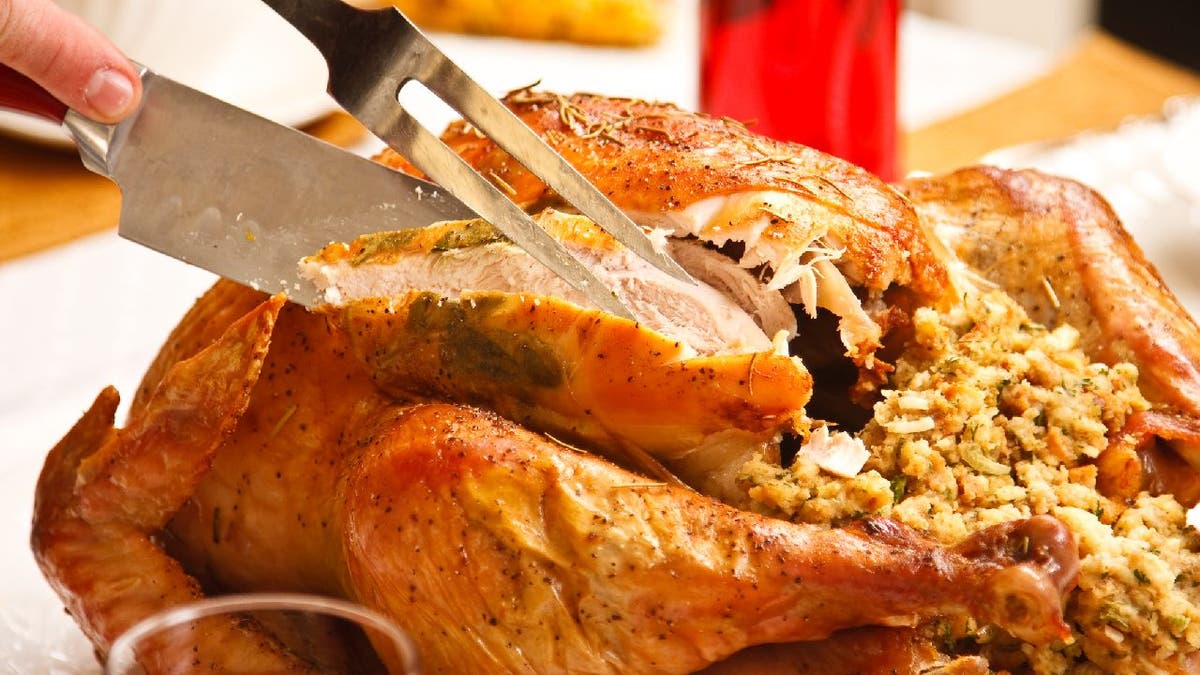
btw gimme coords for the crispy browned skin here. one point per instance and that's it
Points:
(310, 392)
(577, 374)
(857, 651)
(655, 158)
(100, 556)
(1140, 458)
(495, 547)
(1028, 231)
(551, 559)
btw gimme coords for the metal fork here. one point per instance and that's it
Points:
(372, 54)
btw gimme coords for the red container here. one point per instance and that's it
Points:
(818, 72)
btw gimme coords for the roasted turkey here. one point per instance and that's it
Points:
(525, 483)
(467, 528)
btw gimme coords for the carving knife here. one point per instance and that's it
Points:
(218, 187)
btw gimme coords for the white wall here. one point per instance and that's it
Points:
(1050, 24)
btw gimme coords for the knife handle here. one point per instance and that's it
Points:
(22, 94)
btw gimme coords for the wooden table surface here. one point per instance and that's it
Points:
(48, 198)
(1095, 86)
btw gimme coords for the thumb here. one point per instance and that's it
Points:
(69, 58)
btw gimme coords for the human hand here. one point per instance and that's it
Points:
(69, 58)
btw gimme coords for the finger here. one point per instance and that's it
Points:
(71, 59)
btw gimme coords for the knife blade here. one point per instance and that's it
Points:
(236, 194)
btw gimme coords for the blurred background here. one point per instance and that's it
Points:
(1165, 27)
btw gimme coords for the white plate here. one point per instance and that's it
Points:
(239, 51)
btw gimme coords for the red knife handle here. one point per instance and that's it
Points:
(22, 94)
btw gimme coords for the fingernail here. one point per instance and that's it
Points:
(109, 93)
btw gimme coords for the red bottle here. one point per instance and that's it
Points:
(818, 72)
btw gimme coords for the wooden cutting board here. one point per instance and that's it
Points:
(48, 198)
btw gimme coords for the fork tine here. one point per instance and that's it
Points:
(451, 84)
(372, 54)
(408, 137)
